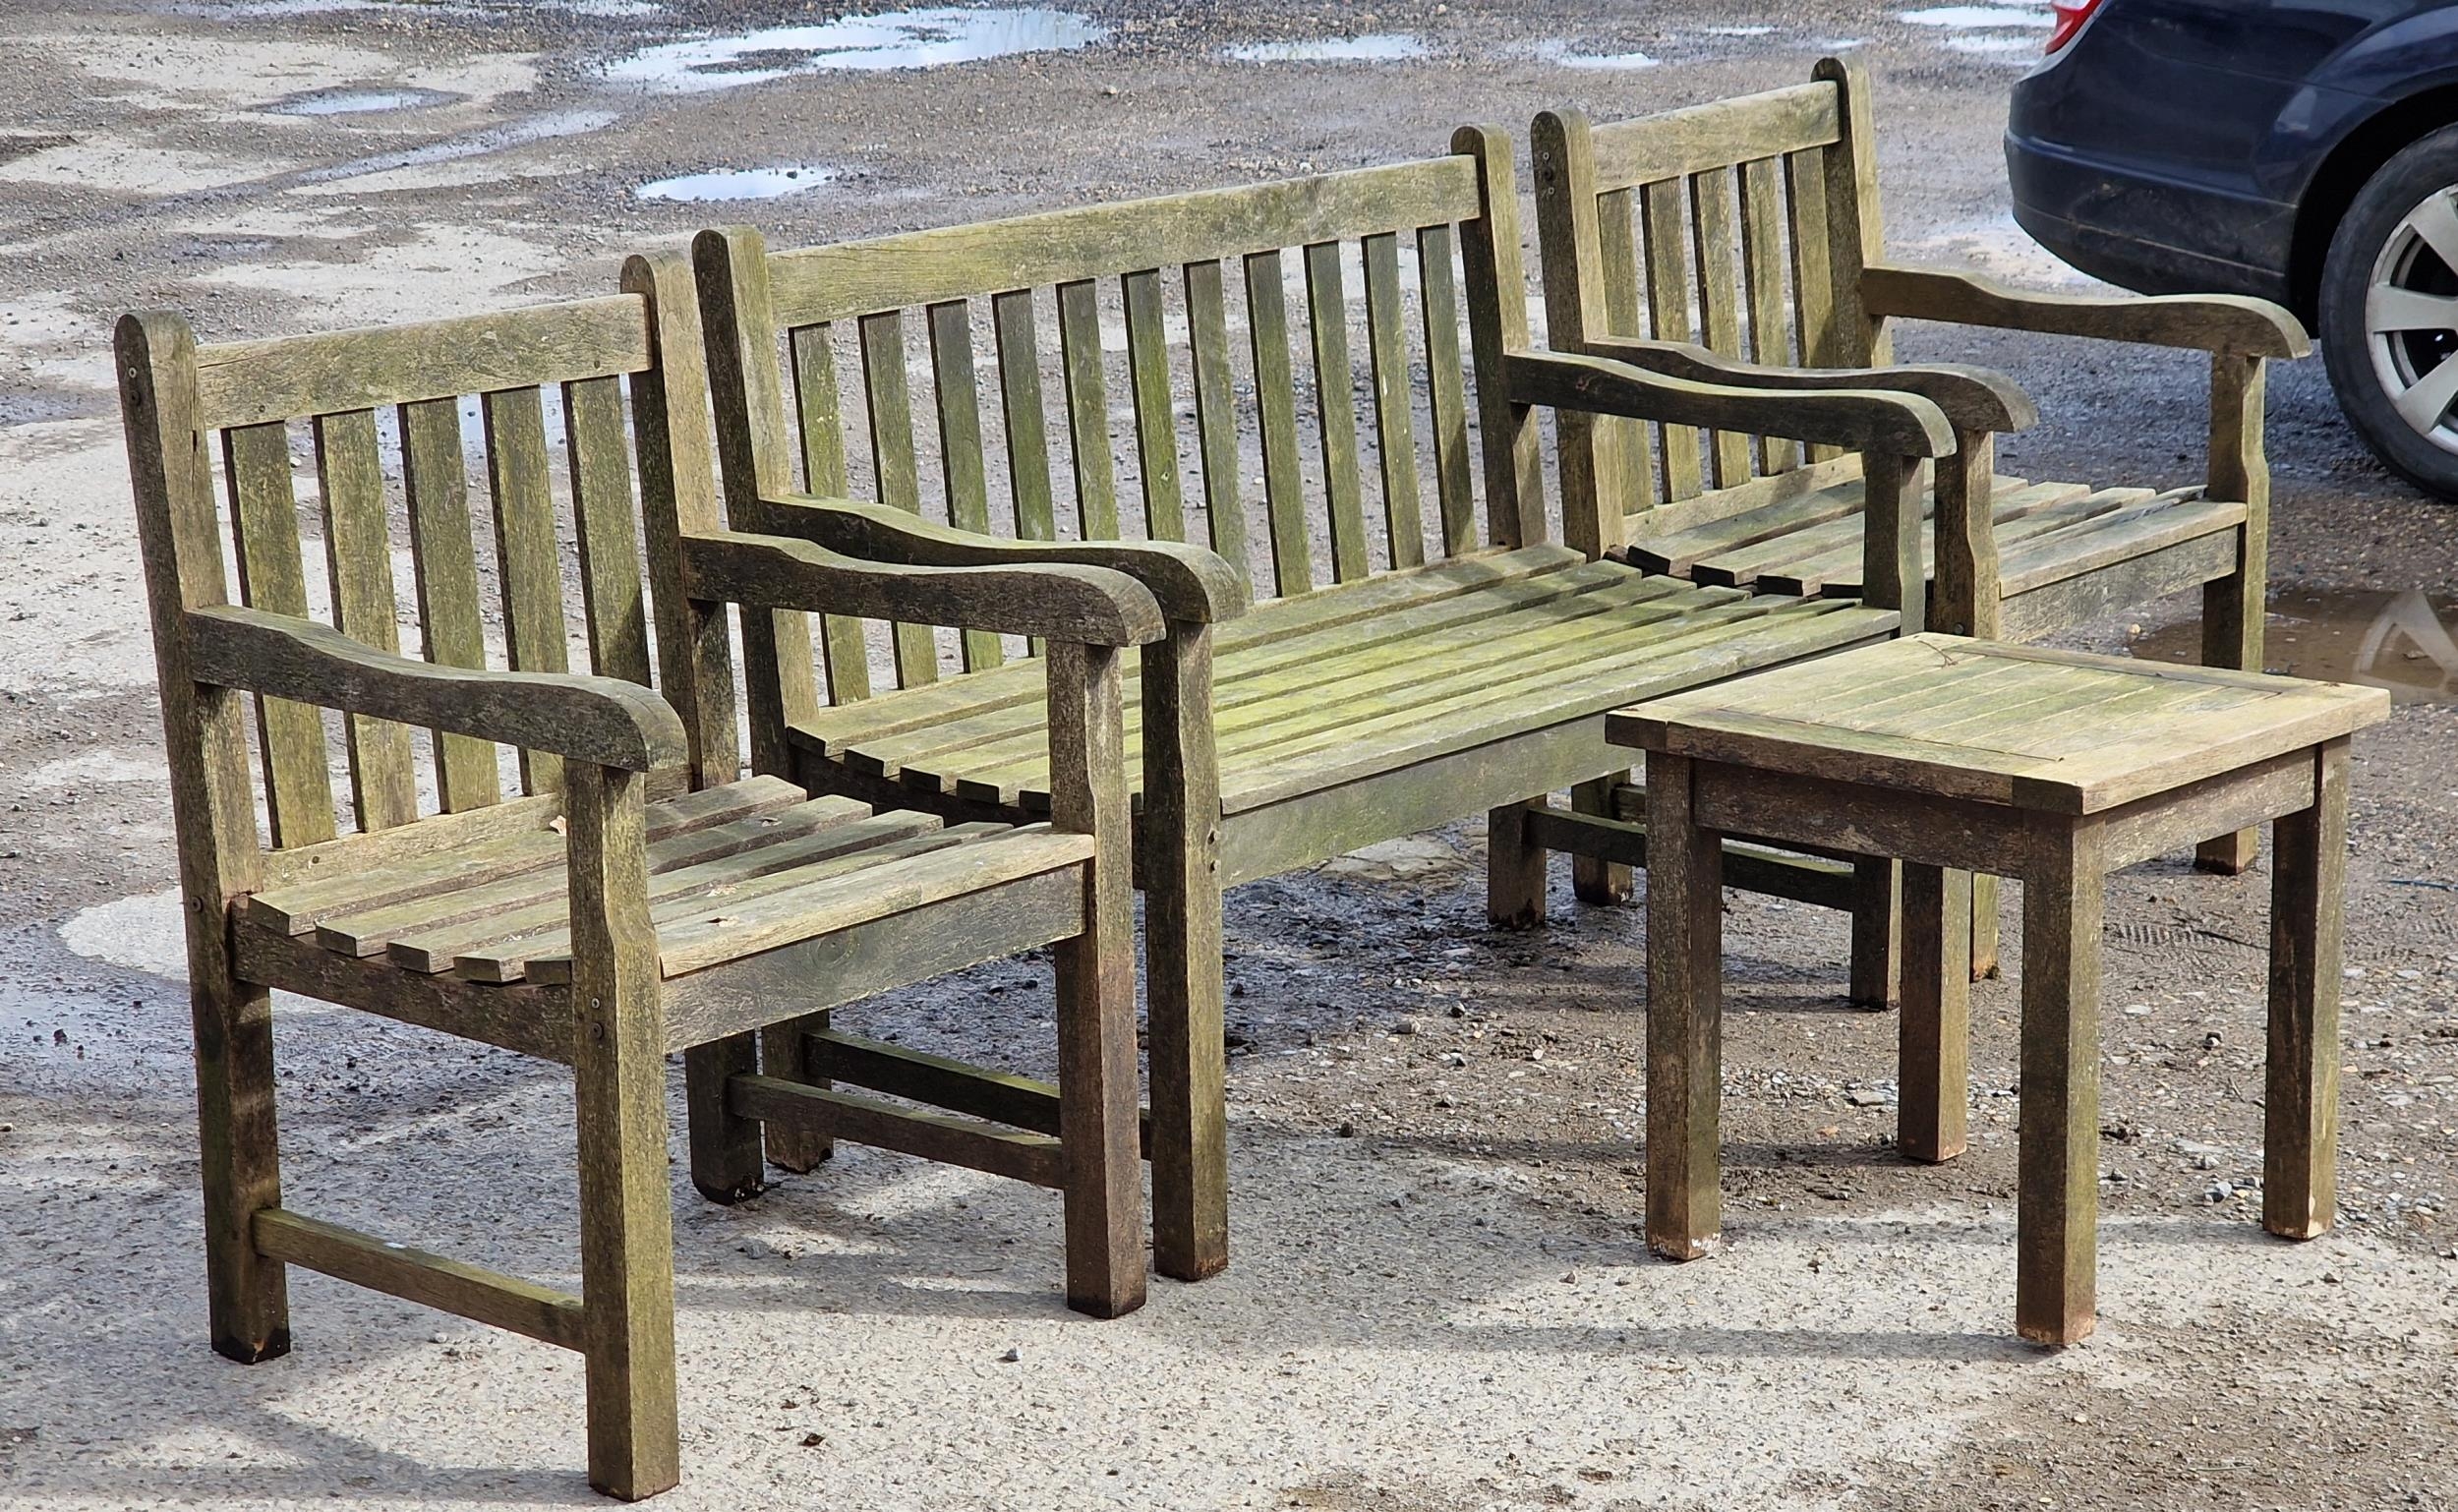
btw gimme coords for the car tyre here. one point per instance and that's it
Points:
(2389, 312)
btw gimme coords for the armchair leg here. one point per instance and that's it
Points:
(247, 1292)
(1594, 879)
(626, 1224)
(2234, 608)
(1099, 1153)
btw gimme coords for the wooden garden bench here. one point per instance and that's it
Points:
(1738, 242)
(623, 892)
(1428, 649)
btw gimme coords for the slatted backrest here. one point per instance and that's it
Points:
(1083, 373)
(1741, 225)
(468, 490)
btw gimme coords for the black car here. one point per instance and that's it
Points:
(2303, 150)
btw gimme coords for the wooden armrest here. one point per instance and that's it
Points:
(2205, 322)
(1863, 419)
(1061, 602)
(1974, 399)
(602, 719)
(1193, 585)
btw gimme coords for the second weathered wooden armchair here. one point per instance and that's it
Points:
(1738, 242)
(636, 896)
(1425, 650)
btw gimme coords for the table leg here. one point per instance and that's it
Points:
(2058, 1207)
(1935, 1028)
(2307, 893)
(1684, 1015)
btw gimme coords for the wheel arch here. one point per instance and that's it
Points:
(2343, 174)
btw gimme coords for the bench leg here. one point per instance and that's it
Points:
(1188, 1047)
(1935, 1029)
(2307, 891)
(618, 1068)
(1594, 879)
(1514, 868)
(1099, 1154)
(248, 1294)
(2057, 1209)
(1877, 932)
(725, 1146)
(1684, 1016)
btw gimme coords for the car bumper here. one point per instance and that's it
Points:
(2154, 236)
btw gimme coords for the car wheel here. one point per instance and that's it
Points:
(2389, 312)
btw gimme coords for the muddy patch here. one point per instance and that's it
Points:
(2405, 642)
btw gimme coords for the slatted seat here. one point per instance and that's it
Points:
(1739, 242)
(1422, 649)
(594, 881)
(1343, 686)
(734, 871)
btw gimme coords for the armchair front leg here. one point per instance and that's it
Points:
(2233, 606)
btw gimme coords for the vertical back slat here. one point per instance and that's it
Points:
(1762, 266)
(298, 790)
(1617, 248)
(444, 564)
(1335, 409)
(890, 401)
(1021, 412)
(1215, 411)
(1719, 300)
(819, 409)
(1395, 434)
(610, 541)
(956, 392)
(1156, 430)
(1088, 412)
(1276, 404)
(1454, 470)
(1669, 317)
(1813, 279)
(357, 550)
(528, 563)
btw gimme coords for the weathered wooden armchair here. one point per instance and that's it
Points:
(1738, 242)
(1415, 664)
(636, 897)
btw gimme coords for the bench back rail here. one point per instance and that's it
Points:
(1004, 347)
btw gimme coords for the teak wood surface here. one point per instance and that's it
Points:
(1961, 757)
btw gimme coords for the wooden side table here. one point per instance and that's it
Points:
(2054, 768)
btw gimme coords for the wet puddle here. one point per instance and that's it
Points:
(544, 127)
(1380, 47)
(2405, 642)
(735, 184)
(1567, 56)
(323, 102)
(893, 40)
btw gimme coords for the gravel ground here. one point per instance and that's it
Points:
(1438, 1300)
